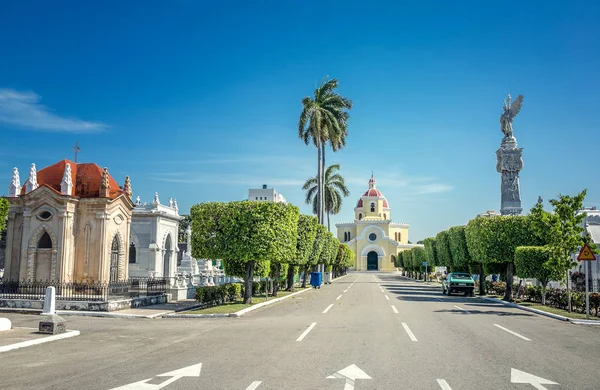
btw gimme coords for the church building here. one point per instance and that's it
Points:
(70, 222)
(373, 237)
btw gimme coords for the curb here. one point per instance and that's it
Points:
(29, 343)
(106, 314)
(258, 306)
(544, 313)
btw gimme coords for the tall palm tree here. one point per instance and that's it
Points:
(335, 188)
(324, 119)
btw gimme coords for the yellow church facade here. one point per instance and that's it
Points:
(373, 237)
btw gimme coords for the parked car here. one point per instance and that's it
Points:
(458, 282)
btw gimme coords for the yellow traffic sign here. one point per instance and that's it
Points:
(586, 254)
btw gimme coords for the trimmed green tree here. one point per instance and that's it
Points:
(494, 240)
(458, 248)
(442, 248)
(532, 262)
(430, 252)
(306, 234)
(251, 234)
(315, 254)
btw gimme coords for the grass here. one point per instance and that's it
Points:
(562, 312)
(232, 307)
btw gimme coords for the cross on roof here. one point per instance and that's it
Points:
(76, 150)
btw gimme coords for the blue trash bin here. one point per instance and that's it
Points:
(316, 279)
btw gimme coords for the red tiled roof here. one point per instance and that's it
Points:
(373, 192)
(360, 203)
(86, 179)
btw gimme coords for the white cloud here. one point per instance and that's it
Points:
(23, 109)
(226, 179)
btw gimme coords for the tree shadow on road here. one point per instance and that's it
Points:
(488, 312)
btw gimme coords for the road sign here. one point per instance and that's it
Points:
(586, 254)
(424, 264)
(517, 376)
(350, 374)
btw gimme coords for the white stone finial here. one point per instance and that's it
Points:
(175, 205)
(31, 183)
(156, 200)
(66, 185)
(14, 189)
(171, 202)
(138, 201)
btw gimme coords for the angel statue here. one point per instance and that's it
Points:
(510, 112)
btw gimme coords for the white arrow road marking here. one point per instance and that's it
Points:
(328, 307)
(338, 297)
(443, 384)
(394, 309)
(350, 374)
(517, 376)
(460, 308)
(253, 385)
(303, 335)
(511, 332)
(190, 371)
(409, 332)
(386, 297)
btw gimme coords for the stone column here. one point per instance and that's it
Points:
(510, 163)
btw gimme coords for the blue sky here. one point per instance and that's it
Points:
(200, 101)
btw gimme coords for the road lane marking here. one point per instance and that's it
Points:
(394, 309)
(386, 297)
(346, 290)
(409, 332)
(328, 307)
(338, 297)
(303, 335)
(460, 308)
(443, 384)
(253, 385)
(511, 332)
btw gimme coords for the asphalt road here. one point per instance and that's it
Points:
(386, 332)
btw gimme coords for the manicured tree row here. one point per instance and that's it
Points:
(431, 255)
(247, 235)
(306, 235)
(532, 262)
(313, 259)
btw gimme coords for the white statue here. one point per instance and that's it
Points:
(156, 200)
(175, 205)
(138, 202)
(31, 183)
(171, 202)
(66, 185)
(510, 112)
(14, 189)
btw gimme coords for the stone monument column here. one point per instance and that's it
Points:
(510, 161)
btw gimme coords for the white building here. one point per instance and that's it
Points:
(153, 243)
(592, 226)
(266, 194)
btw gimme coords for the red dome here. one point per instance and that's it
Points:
(373, 192)
(359, 204)
(86, 179)
(385, 204)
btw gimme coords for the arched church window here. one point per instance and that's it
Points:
(372, 207)
(399, 237)
(385, 216)
(349, 234)
(132, 253)
(45, 241)
(359, 216)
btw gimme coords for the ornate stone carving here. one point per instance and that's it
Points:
(127, 187)
(175, 205)
(104, 184)
(171, 202)
(66, 185)
(14, 189)
(31, 183)
(510, 161)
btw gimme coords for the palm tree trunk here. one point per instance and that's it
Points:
(328, 228)
(319, 193)
(323, 182)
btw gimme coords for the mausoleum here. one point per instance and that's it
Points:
(68, 222)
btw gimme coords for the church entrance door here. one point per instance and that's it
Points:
(372, 260)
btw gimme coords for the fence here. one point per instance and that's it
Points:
(74, 291)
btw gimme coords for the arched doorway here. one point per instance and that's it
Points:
(372, 260)
(43, 261)
(114, 260)
(167, 257)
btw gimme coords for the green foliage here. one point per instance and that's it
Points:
(328, 242)
(350, 257)
(418, 257)
(184, 222)
(407, 259)
(442, 248)
(4, 206)
(530, 262)
(212, 295)
(318, 245)
(561, 230)
(457, 242)
(306, 234)
(335, 189)
(430, 251)
(233, 291)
